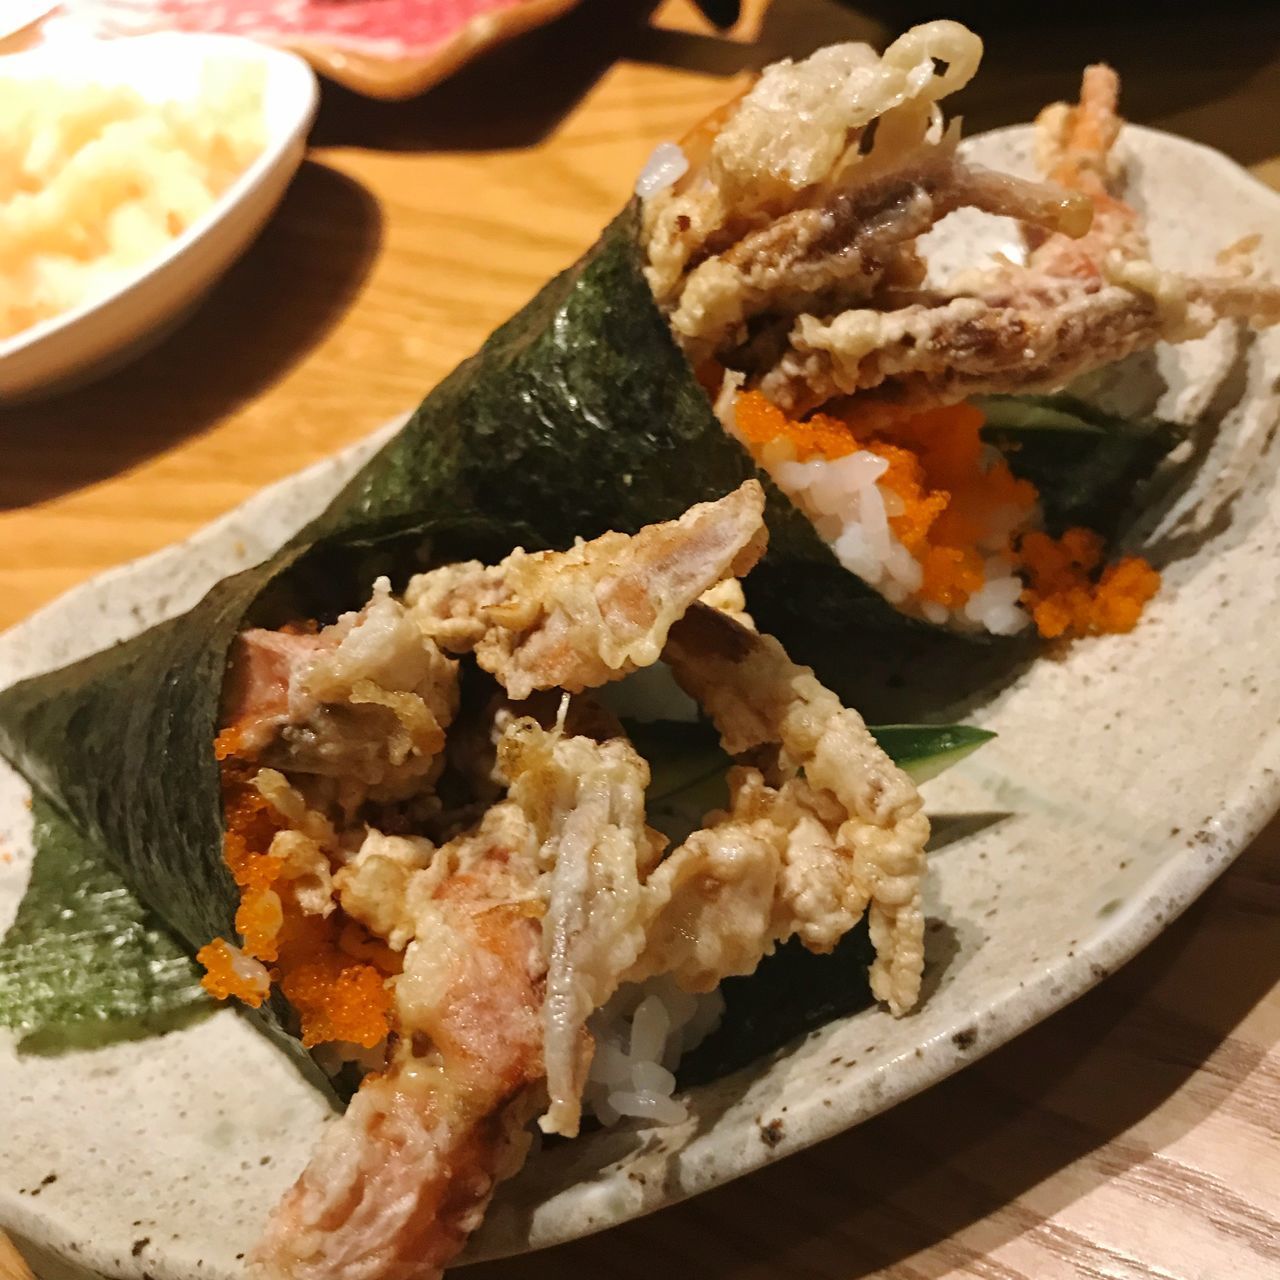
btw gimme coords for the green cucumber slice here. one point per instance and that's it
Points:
(923, 751)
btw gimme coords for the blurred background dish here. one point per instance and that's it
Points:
(388, 49)
(182, 146)
(381, 48)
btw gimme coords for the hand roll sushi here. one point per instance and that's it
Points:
(784, 245)
(440, 842)
(379, 783)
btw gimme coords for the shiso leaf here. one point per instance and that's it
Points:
(84, 961)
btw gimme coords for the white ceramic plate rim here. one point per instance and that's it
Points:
(566, 1209)
(279, 63)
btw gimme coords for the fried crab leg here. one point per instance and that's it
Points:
(404, 1176)
(793, 262)
(777, 222)
(1077, 303)
(1075, 148)
(792, 857)
(577, 619)
(372, 695)
(847, 821)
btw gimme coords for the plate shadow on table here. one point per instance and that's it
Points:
(243, 336)
(907, 1185)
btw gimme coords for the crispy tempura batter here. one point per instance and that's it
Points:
(1077, 304)
(367, 699)
(497, 946)
(783, 219)
(805, 858)
(757, 165)
(851, 827)
(585, 800)
(1075, 147)
(814, 291)
(400, 1181)
(859, 241)
(580, 618)
(1074, 144)
(942, 349)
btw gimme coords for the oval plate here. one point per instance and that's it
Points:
(1128, 773)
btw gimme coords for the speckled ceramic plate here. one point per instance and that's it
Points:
(1127, 774)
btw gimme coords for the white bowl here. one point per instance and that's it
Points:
(104, 332)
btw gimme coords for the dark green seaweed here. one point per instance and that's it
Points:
(1087, 465)
(577, 416)
(793, 991)
(84, 961)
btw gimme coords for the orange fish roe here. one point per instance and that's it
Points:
(222, 978)
(336, 995)
(951, 575)
(1064, 598)
(948, 442)
(251, 824)
(227, 744)
(258, 920)
(955, 506)
(333, 973)
(771, 435)
(921, 505)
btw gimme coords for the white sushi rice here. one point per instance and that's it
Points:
(640, 1037)
(851, 512)
(664, 168)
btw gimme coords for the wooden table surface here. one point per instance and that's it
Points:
(1133, 1135)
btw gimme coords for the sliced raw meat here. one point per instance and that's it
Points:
(386, 48)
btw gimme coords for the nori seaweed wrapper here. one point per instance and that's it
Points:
(577, 416)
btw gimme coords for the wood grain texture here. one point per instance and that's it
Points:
(1135, 1135)
(12, 1267)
